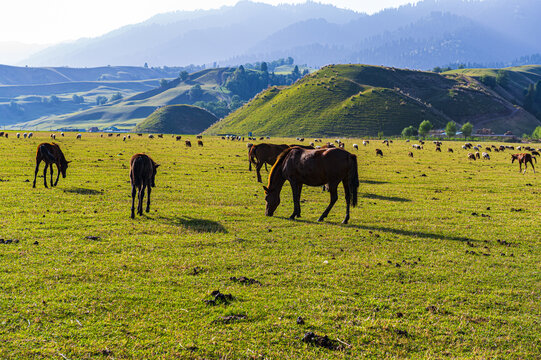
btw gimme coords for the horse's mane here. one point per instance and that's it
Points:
(60, 153)
(278, 163)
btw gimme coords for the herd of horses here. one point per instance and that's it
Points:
(326, 166)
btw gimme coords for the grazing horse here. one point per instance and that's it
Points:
(319, 167)
(142, 175)
(50, 154)
(524, 158)
(263, 154)
(178, 137)
(379, 152)
(199, 142)
(188, 143)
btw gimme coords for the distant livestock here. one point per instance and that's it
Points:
(486, 156)
(188, 143)
(471, 156)
(30, 135)
(79, 136)
(160, 136)
(379, 152)
(199, 137)
(178, 137)
(18, 135)
(150, 136)
(199, 143)
(438, 149)
(356, 147)
(450, 150)
(410, 154)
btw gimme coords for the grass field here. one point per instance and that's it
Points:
(440, 259)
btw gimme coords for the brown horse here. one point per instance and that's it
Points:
(524, 158)
(50, 154)
(142, 175)
(263, 154)
(314, 168)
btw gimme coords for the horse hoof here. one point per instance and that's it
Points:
(344, 222)
(320, 219)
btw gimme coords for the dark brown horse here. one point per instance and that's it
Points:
(319, 167)
(50, 154)
(523, 158)
(263, 154)
(142, 175)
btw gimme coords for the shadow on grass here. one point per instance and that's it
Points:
(372, 182)
(83, 191)
(197, 225)
(420, 234)
(387, 198)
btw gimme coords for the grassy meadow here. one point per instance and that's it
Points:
(440, 259)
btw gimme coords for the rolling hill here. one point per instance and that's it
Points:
(177, 119)
(361, 100)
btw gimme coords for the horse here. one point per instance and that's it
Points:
(313, 168)
(379, 152)
(199, 142)
(188, 143)
(263, 154)
(50, 154)
(524, 158)
(142, 175)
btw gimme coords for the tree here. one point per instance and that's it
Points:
(146, 66)
(53, 100)
(163, 83)
(502, 78)
(450, 129)
(537, 133)
(424, 128)
(183, 75)
(437, 69)
(116, 96)
(101, 100)
(78, 99)
(195, 92)
(264, 67)
(409, 131)
(467, 129)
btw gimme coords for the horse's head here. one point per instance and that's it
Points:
(64, 167)
(514, 157)
(154, 174)
(272, 197)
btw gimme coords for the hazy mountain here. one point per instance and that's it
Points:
(427, 34)
(187, 37)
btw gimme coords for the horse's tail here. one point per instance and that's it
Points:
(533, 157)
(353, 181)
(47, 155)
(251, 158)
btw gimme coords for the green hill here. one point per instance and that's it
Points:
(177, 119)
(361, 100)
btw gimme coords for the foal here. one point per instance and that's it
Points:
(523, 158)
(142, 175)
(50, 154)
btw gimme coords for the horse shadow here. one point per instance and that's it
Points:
(83, 191)
(384, 229)
(372, 182)
(196, 225)
(386, 198)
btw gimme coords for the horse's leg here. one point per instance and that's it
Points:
(296, 190)
(148, 198)
(141, 197)
(51, 169)
(57, 173)
(257, 170)
(133, 193)
(45, 174)
(334, 196)
(347, 193)
(36, 172)
(525, 167)
(532, 167)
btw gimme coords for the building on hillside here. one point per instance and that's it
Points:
(93, 129)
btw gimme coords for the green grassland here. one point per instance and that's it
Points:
(363, 100)
(440, 259)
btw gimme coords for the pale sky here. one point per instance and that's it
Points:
(53, 21)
